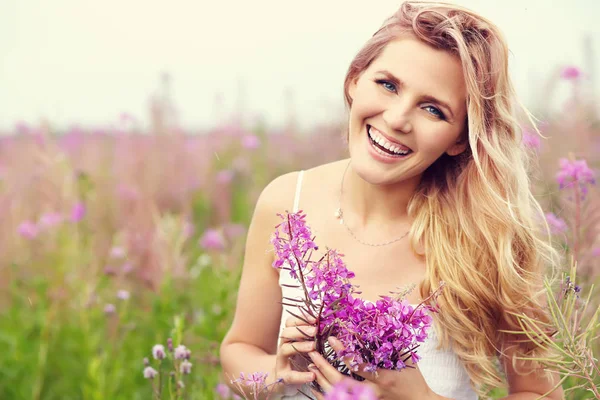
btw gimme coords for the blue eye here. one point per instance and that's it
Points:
(383, 83)
(440, 114)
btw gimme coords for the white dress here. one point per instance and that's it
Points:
(442, 370)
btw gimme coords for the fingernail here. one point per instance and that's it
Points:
(312, 366)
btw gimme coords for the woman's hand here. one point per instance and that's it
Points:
(297, 337)
(387, 384)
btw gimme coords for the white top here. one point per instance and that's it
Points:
(443, 371)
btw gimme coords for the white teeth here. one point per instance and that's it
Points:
(384, 143)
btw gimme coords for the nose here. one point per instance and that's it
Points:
(398, 116)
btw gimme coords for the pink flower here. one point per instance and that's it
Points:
(575, 172)
(78, 212)
(233, 231)
(181, 352)
(117, 252)
(570, 73)
(28, 229)
(212, 240)
(349, 389)
(51, 219)
(110, 309)
(21, 127)
(150, 373)
(250, 142)
(122, 295)
(158, 352)
(185, 367)
(223, 391)
(531, 139)
(224, 177)
(188, 229)
(557, 225)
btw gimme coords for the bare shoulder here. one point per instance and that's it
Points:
(279, 193)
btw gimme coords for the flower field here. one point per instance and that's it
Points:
(122, 250)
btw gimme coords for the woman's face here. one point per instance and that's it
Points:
(395, 96)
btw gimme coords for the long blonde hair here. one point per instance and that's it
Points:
(474, 214)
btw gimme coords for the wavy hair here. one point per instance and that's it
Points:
(474, 214)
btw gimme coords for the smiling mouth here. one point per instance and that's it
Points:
(381, 148)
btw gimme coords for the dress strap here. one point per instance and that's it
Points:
(298, 187)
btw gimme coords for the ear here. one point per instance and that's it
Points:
(459, 146)
(352, 87)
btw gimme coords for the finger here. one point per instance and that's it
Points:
(297, 377)
(294, 333)
(335, 343)
(292, 348)
(296, 320)
(328, 370)
(317, 395)
(320, 378)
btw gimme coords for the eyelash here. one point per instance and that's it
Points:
(440, 115)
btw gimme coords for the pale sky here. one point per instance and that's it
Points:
(86, 62)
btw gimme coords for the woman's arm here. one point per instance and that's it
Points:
(251, 342)
(530, 386)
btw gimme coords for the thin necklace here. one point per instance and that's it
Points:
(340, 215)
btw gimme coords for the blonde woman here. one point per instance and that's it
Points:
(435, 189)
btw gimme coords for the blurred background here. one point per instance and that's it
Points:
(82, 62)
(136, 136)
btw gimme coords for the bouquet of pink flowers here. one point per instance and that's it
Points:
(384, 334)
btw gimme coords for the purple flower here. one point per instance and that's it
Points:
(257, 381)
(224, 177)
(557, 225)
(51, 219)
(21, 127)
(233, 231)
(372, 333)
(212, 240)
(575, 172)
(596, 252)
(185, 367)
(182, 352)
(531, 139)
(223, 391)
(110, 309)
(117, 252)
(570, 73)
(78, 212)
(150, 373)
(122, 295)
(158, 352)
(250, 142)
(349, 389)
(28, 229)
(188, 229)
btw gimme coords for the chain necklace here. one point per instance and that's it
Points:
(340, 215)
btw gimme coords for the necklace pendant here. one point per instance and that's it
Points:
(338, 213)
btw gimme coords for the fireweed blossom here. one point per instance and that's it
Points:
(384, 334)
(348, 389)
(575, 173)
(78, 212)
(557, 225)
(28, 229)
(212, 240)
(531, 139)
(256, 381)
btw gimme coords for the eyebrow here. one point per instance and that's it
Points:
(427, 97)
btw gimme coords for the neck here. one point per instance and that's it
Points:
(377, 206)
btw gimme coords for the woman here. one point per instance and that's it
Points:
(435, 189)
